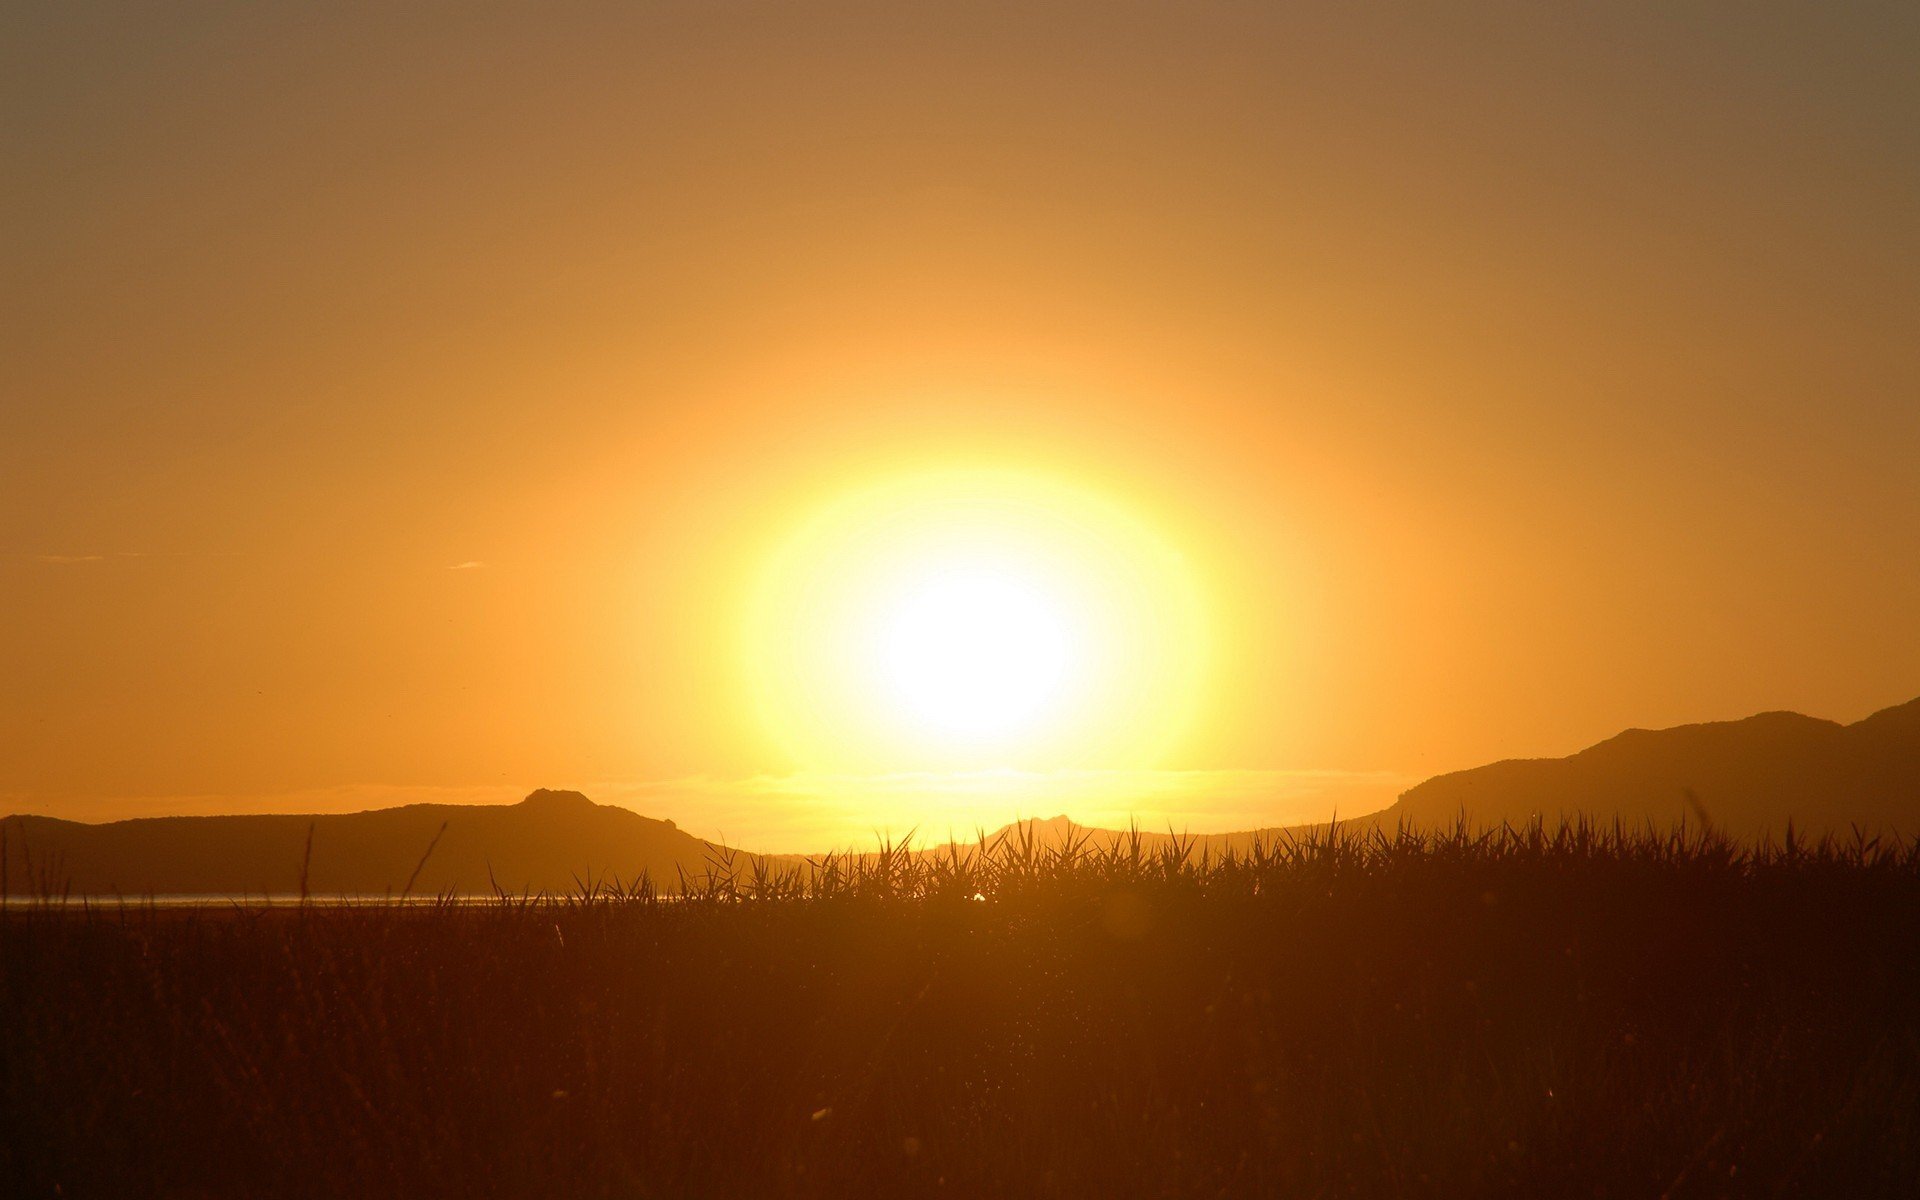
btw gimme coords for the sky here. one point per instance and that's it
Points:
(415, 401)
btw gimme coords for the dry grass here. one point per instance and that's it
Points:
(1580, 1011)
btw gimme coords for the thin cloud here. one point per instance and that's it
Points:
(472, 564)
(179, 553)
(72, 558)
(346, 798)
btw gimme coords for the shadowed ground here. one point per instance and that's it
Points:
(1512, 1014)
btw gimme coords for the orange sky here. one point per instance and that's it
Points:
(401, 403)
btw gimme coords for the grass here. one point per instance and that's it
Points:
(1572, 1012)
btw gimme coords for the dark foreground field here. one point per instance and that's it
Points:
(1571, 1015)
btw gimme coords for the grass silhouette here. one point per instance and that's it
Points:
(1583, 1010)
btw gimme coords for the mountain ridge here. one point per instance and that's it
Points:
(550, 841)
(1747, 777)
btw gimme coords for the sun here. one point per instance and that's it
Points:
(974, 651)
(973, 618)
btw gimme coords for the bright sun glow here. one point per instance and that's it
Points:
(968, 619)
(975, 652)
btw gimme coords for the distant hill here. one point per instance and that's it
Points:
(545, 842)
(1056, 831)
(1747, 777)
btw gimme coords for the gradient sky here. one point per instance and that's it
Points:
(397, 398)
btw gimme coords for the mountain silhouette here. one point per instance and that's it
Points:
(1747, 777)
(551, 841)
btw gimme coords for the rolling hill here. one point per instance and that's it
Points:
(547, 842)
(1747, 777)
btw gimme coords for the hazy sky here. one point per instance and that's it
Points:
(403, 397)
